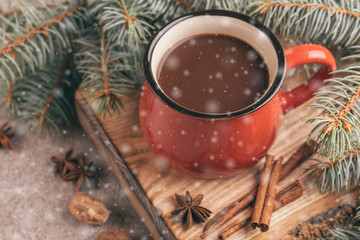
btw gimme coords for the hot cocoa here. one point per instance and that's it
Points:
(213, 73)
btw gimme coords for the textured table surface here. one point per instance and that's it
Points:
(34, 202)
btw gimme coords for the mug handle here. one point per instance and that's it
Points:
(305, 54)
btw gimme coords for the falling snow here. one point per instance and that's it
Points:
(247, 91)
(230, 163)
(173, 63)
(192, 42)
(36, 200)
(186, 73)
(218, 75)
(251, 56)
(176, 92)
(212, 106)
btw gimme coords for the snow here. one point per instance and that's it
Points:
(230, 163)
(135, 128)
(173, 63)
(247, 91)
(212, 106)
(192, 42)
(218, 75)
(214, 139)
(34, 202)
(143, 113)
(176, 92)
(251, 55)
(186, 73)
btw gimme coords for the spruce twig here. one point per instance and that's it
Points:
(19, 12)
(32, 32)
(337, 129)
(109, 71)
(343, 234)
(35, 37)
(41, 116)
(45, 97)
(125, 21)
(335, 175)
(328, 22)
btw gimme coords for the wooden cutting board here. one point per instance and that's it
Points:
(151, 185)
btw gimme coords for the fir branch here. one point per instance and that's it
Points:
(108, 69)
(328, 22)
(167, 10)
(32, 32)
(343, 234)
(45, 97)
(35, 37)
(306, 5)
(335, 175)
(125, 21)
(339, 118)
(39, 8)
(183, 3)
(41, 116)
(232, 5)
(337, 128)
(132, 22)
(9, 94)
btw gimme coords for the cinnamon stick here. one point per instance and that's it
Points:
(300, 155)
(288, 194)
(228, 212)
(236, 226)
(243, 203)
(270, 196)
(284, 197)
(262, 190)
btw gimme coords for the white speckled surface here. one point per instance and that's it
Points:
(34, 202)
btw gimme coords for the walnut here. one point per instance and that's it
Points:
(88, 209)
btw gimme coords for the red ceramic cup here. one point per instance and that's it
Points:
(221, 145)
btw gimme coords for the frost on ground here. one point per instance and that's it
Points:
(34, 202)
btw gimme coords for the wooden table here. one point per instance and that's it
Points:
(151, 185)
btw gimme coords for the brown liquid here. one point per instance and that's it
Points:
(213, 74)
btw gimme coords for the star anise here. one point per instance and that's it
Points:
(79, 172)
(5, 136)
(190, 209)
(60, 161)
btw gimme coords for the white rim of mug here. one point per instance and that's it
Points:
(270, 93)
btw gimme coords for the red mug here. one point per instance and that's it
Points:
(210, 145)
